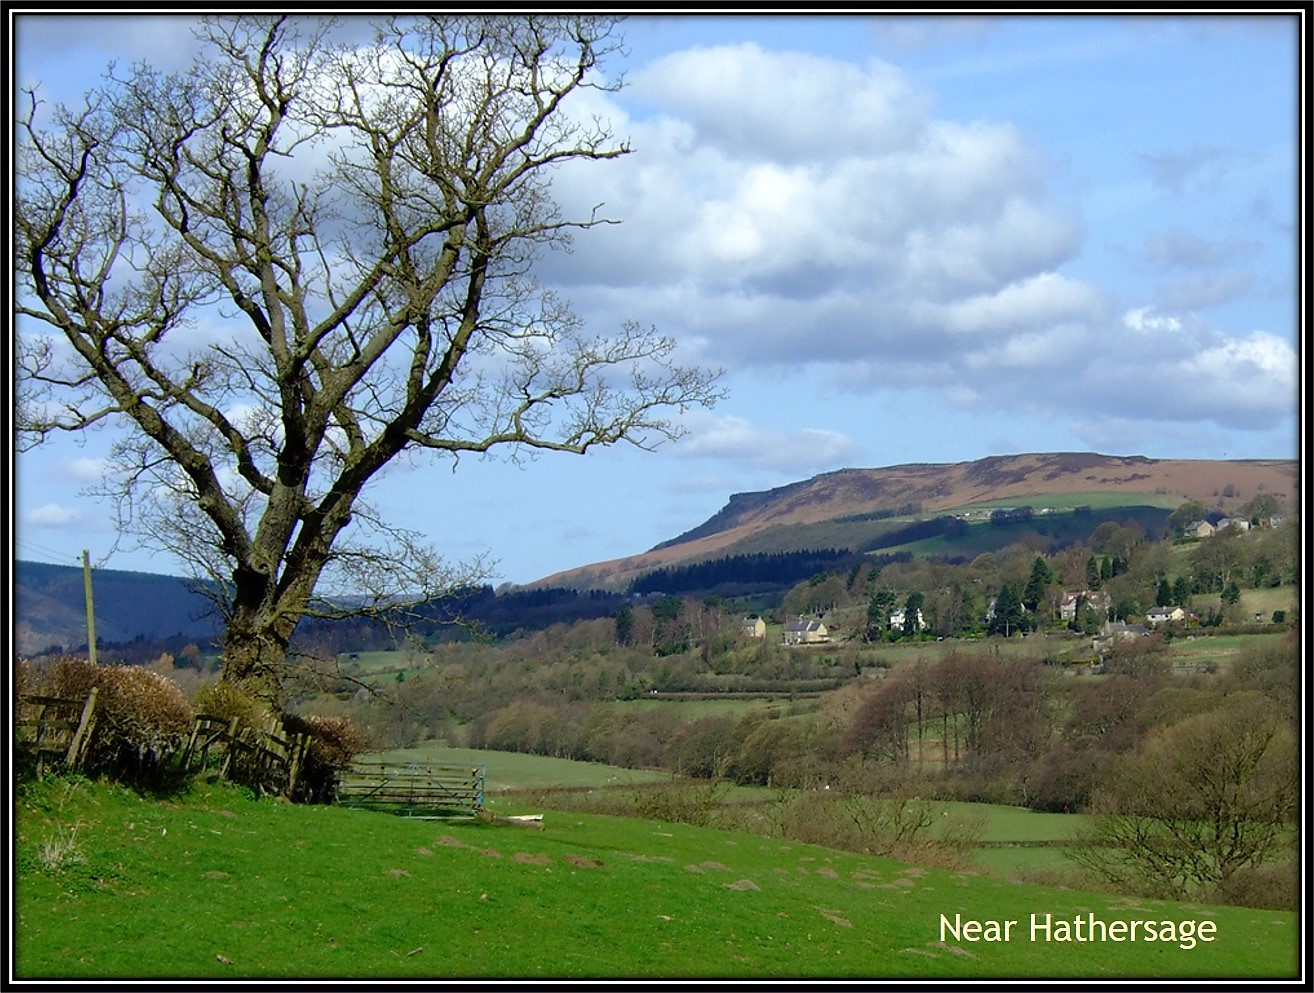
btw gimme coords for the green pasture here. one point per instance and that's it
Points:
(1218, 650)
(504, 771)
(215, 885)
(1268, 599)
(1013, 841)
(696, 709)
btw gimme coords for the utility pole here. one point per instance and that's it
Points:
(91, 610)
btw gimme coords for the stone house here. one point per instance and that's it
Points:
(805, 631)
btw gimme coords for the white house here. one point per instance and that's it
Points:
(1163, 615)
(896, 620)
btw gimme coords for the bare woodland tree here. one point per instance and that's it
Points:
(300, 260)
(1206, 798)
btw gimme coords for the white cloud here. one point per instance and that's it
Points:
(766, 215)
(86, 470)
(1258, 357)
(1144, 320)
(1034, 304)
(789, 106)
(53, 515)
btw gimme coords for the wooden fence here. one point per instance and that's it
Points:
(59, 732)
(262, 760)
(55, 730)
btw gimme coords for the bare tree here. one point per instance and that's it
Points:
(300, 260)
(1206, 798)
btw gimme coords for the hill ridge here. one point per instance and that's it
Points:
(936, 488)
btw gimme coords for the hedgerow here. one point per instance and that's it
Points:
(141, 717)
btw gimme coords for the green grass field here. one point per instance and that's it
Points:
(215, 885)
(1217, 650)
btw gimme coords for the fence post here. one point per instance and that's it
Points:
(82, 737)
(229, 749)
(294, 765)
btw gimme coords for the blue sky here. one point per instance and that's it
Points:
(905, 239)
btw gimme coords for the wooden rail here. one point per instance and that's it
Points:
(55, 729)
(428, 790)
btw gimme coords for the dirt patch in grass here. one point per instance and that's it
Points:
(742, 884)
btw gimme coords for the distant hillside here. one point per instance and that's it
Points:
(852, 507)
(50, 607)
(138, 612)
(766, 540)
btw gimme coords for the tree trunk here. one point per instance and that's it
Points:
(256, 641)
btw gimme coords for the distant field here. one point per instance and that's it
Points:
(516, 771)
(1218, 650)
(1034, 837)
(691, 710)
(1265, 601)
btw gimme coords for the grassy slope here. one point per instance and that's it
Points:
(213, 884)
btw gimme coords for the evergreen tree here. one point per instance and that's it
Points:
(878, 612)
(1163, 596)
(1093, 580)
(912, 610)
(1008, 617)
(1041, 577)
(625, 625)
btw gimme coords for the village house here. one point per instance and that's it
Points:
(896, 620)
(754, 627)
(1199, 529)
(1114, 631)
(1239, 523)
(1095, 600)
(805, 631)
(1164, 615)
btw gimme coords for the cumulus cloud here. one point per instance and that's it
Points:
(783, 205)
(1198, 375)
(787, 210)
(789, 107)
(53, 516)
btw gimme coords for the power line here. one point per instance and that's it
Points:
(45, 551)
